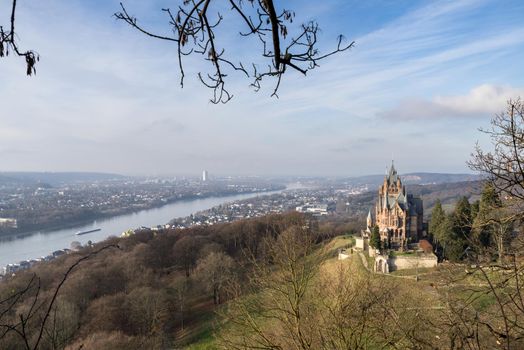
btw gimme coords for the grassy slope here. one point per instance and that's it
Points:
(432, 284)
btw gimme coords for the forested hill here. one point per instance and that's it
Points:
(421, 178)
(260, 283)
(152, 290)
(448, 193)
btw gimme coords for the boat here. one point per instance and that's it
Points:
(88, 231)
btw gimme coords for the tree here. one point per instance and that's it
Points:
(504, 165)
(500, 208)
(451, 232)
(181, 287)
(8, 43)
(502, 203)
(438, 227)
(374, 240)
(475, 207)
(30, 324)
(456, 233)
(214, 271)
(186, 251)
(461, 218)
(274, 312)
(194, 32)
(492, 226)
(438, 216)
(147, 310)
(293, 301)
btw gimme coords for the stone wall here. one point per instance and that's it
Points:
(360, 243)
(372, 252)
(411, 262)
(343, 255)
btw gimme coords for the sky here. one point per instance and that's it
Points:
(421, 80)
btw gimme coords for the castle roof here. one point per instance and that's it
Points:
(400, 198)
(393, 175)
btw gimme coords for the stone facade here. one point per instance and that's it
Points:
(361, 243)
(386, 264)
(398, 214)
(412, 262)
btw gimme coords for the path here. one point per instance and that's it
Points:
(364, 261)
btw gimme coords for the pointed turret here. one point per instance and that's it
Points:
(369, 220)
(392, 177)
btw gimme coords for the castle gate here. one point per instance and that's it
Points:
(381, 264)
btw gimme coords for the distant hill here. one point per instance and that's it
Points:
(414, 178)
(448, 193)
(6, 180)
(54, 178)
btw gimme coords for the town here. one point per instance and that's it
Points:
(35, 206)
(319, 202)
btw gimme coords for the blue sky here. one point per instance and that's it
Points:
(421, 80)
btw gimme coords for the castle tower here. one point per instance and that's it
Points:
(397, 214)
(369, 222)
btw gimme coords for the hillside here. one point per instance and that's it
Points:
(55, 178)
(420, 178)
(448, 193)
(153, 290)
(262, 283)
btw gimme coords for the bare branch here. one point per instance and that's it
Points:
(8, 43)
(194, 34)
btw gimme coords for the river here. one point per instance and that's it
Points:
(16, 248)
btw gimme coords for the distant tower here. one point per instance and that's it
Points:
(369, 222)
(205, 176)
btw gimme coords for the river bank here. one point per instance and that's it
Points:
(69, 224)
(40, 243)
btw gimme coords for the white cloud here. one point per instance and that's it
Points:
(482, 99)
(480, 102)
(107, 98)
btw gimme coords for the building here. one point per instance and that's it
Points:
(398, 214)
(205, 176)
(315, 209)
(8, 222)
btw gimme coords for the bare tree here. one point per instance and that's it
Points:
(8, 43)
(489, 311)
(194, 26)
(297, 299)
(275, 309)
(181, 288)
(39, 309)
(504, 165)
(215, 270)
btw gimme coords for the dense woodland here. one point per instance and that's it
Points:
(267, 283)
(477, 231)
(145, 291)
(445, 193)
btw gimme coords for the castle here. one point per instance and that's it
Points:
(398, 214)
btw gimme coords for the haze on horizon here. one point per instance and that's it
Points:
(423, 77)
